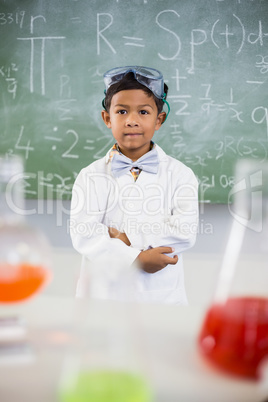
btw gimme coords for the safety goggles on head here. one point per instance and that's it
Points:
(149, 77)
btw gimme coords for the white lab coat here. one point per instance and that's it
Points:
(157, 210)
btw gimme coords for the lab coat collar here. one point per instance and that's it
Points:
(161, 154)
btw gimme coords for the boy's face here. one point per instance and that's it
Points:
(133, 119)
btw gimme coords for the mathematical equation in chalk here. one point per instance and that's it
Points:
(16, 18)
(53, 185)
(221, 34)
(48, 185)
(189, 114)
(230, 34)
(59, 144)
(8, 75)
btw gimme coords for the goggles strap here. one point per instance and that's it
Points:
(166, 102)
(103, 102)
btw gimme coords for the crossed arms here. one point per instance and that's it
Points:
(151, 260)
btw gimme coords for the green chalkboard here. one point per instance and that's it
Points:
(214, 57)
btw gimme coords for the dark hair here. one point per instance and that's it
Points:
(129, 82)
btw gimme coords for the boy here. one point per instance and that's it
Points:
(137, 203)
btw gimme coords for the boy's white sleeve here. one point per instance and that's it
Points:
(89, 235)
(178, 228)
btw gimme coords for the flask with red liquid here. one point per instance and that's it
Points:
(234, 333)
(24, 250)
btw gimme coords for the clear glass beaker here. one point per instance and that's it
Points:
(24, 251)
(107, 363)
(234, 334)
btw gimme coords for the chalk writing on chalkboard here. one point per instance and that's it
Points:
(214, 57)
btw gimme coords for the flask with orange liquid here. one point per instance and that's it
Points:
(24, 250)
(234, 334)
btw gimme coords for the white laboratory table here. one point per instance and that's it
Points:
(163, 340)
(159, 340)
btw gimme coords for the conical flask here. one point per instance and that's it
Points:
(108, 364)
(24, 251)
(234, 334)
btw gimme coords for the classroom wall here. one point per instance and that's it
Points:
(52, 217)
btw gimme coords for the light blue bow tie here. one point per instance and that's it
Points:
(148, 162)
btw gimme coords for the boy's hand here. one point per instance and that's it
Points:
(115, 234)
(151, 260)
(155, 259)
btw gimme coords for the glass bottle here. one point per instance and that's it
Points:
(109, 363)
(24, 251)
(234, 334)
